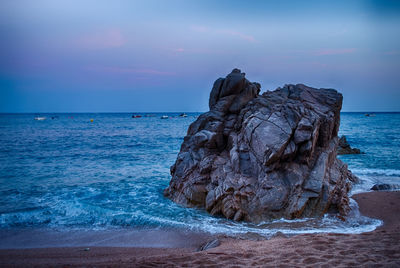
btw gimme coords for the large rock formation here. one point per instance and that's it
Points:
(255, 157)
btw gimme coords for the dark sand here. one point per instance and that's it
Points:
(378, 248)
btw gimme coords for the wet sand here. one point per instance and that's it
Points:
(378, 248)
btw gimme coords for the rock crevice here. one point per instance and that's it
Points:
(256, 157)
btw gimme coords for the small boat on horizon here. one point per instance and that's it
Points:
(136, 116)
(164, 117)
(183, 115)
(40, 118)
(370, 115)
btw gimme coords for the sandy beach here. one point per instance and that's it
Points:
(378, 248)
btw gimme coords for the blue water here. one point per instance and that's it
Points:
(69, 172)
(379, 138)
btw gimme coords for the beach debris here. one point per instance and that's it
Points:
(345, 148)
(210, 244)
(385, 187)
(258, 157)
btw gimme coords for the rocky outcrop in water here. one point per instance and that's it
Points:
(255, 157)
(385, 187)
(345, 148)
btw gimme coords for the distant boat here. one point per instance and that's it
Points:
(136, 116)
(40, 118)
(183, 115)
(164, 117)
(370, 115)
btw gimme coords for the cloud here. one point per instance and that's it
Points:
(203, 29)
(205, 51)
(327, 52)
(197, 28)
(123, 70)
(246, 37)
(106, 39)
(392, 53)
(318, 64)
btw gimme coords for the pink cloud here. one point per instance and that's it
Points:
(198, 28)
(318, 64)
(205, 51)
(326, 52)
(101, 40)
(243, 36)
(230, 32)
(392, 53)
(122, 70)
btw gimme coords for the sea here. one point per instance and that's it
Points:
(70, 176)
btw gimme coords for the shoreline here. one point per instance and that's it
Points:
(17, 239)
(379, 247)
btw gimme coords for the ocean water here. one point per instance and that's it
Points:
(69, 173)
(379, 138)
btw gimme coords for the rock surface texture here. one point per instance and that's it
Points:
(345, 148)
(257, 157)
(385, 187)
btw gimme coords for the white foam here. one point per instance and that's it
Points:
(375, 171)
(354, 224)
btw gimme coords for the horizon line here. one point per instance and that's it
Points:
(133, 112)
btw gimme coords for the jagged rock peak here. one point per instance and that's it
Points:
(232, 92)
(255, 157)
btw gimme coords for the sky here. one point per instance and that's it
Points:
(163, 56)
